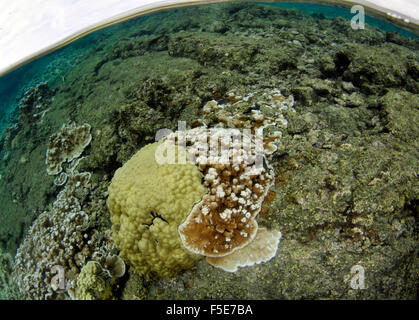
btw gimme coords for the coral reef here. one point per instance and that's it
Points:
(148, 202)
(59, 236)
(220, 223)
(237, 180)
(238, 177)
(66, 145)
(224, 221)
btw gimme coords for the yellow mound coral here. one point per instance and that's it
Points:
(148, 201)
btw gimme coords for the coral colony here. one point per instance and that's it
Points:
(161, 235)
(233, 159)
(233, 170)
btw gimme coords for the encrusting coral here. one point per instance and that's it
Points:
(66, 145)
(148, 202)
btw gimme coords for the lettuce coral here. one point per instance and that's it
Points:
(147, 202)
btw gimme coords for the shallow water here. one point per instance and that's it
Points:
(346, 190)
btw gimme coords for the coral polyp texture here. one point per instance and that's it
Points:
(238, 177)
(147, 202)
(66, 145)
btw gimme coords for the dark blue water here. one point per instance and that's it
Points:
(54, 67)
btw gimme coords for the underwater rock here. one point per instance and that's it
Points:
(8, 289)
(207, 49)
(368, 67)
(154, 105)
(400, 110)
